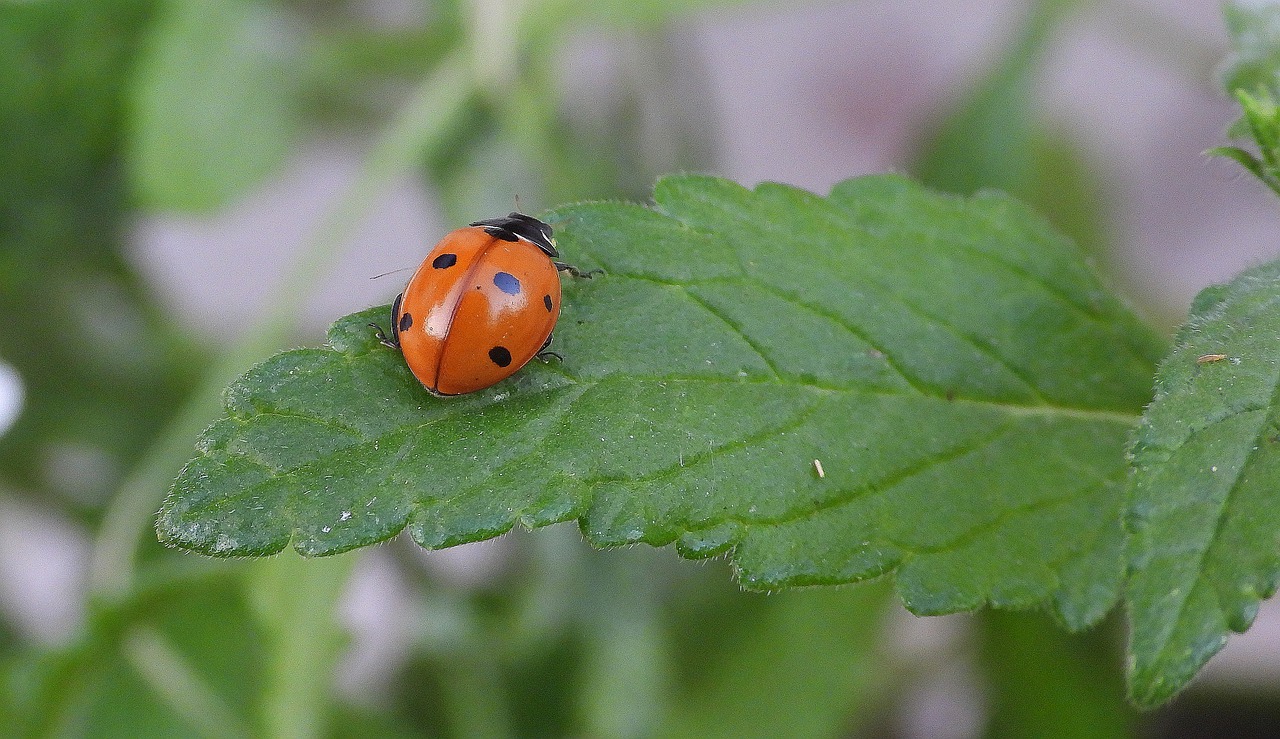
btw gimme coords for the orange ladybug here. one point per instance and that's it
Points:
(482, 305)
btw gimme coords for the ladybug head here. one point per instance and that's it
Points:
(520, 226)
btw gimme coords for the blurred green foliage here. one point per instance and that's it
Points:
(1262, 125)
(1254, 64)
(102, 364)
(1252, 75)
(213, 102)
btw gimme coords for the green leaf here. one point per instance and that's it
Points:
(1261, 122)
(213, 104)
(992, 137)
(1263, 117)
(803, 663)
(1202, 511)
(196, 667)
(966, 382)
(1254, 64)
(1252, 75)
(1039, 677)
(1241, 157)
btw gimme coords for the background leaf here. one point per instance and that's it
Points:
(803, 664)
(104, 685)
(973, 446)
(213, 103)
(1254, 65)
(992, 137)
(1038, 676)
(1202, 511)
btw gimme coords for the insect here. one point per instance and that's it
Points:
(483, 303)
(1210, 358)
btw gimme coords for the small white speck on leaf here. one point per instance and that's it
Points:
(817, 467)
(1213, 468)
(346, 515)
(325, 529)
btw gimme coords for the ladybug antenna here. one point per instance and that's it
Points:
(392, 272)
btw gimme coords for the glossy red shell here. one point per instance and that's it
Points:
(476, 311)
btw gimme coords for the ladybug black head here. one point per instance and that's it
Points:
(520, 226)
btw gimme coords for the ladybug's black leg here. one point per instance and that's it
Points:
(394, 341)
(544, 355)
(562, 267)
(382, 338)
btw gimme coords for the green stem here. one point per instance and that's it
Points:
(167, 673)
(421, 127)
(294, 600)
(626, 685)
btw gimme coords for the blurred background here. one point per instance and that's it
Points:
(188, 186)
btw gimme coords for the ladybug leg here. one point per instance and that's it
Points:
(394, 341)
(382, 338)
(544, 355)
(562, 267)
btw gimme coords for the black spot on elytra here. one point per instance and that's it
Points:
(406, 321)
(444, 261)
(507, 283)
(546, 300)
(500, 356)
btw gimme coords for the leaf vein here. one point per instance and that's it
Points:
(1220, 522)
(885, 484)
(737, 330)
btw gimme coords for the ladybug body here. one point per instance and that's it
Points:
(483, 303)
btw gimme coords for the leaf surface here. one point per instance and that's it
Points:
(1203, 513)
(962, 376)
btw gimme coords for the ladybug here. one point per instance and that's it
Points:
(482, 305)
